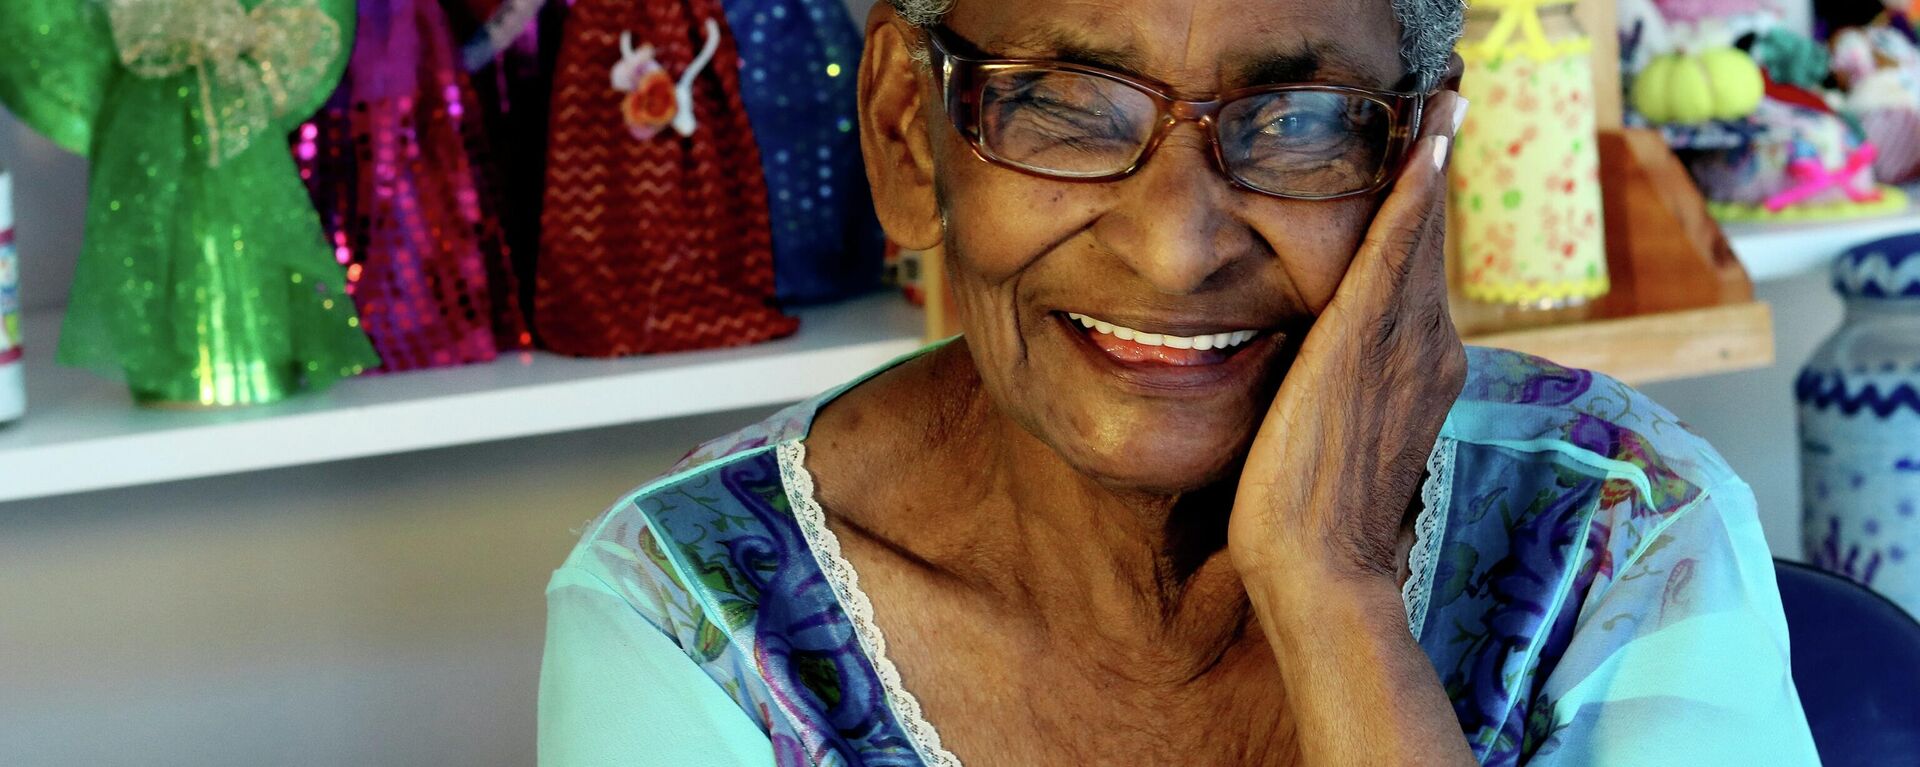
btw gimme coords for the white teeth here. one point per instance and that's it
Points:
(1202, 342)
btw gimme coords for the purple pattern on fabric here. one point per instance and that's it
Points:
(1611, 440)
(1523, 537)
(1576, 533)
(748, 550)
(1499, 375)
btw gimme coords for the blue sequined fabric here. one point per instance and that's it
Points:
(798, 63)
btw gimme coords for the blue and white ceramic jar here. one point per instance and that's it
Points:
(1860, 425)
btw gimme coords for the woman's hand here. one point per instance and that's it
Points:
(1340, 454)
(1316, 521)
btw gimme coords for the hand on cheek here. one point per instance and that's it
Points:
(1344, 443)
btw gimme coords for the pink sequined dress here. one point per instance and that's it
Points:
(396, 164)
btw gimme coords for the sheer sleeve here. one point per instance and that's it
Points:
(1683, 657)
(615, 690)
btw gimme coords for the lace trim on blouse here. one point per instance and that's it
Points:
(825, 545)
(846, 586)
(1428, 528)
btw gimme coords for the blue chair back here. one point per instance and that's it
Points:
(1856, 662)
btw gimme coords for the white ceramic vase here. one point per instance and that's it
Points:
(1860, 425)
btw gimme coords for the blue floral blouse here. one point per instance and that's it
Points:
(1588, 577)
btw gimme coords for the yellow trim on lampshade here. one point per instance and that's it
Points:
(1518, 294)
(1522, 18)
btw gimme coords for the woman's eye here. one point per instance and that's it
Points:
(1302, 125)
(1054, 105)
(1064, 108)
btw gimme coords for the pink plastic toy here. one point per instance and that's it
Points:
(1813, 178)
(1699, 10)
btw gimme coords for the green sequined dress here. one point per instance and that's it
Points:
(204, 276)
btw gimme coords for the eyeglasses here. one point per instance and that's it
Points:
(1079, 123)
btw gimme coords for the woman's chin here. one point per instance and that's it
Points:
(1158, 470)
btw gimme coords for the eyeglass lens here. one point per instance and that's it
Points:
(1074, 124)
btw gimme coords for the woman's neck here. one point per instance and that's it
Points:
(1141, 572)
(920, 461)
(1145, 565)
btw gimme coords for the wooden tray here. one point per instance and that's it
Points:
(1681, 304)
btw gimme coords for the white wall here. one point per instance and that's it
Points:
(383, 611)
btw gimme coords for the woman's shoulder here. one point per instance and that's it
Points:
(1594, 560)
(1527, 404)
(728, 555)
(751, 482)
(665, 547)
(789, 424)
(697, 552)
(731, 482)
(1573, 473)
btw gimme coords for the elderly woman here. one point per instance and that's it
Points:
(1208, 479)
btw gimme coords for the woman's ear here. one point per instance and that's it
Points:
(1449, 83)
(1456, 68)
(893, 132)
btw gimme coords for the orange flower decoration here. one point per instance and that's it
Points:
(650, 107)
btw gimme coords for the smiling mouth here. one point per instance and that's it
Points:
(1133, 346)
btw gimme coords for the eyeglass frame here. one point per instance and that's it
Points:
(962, 81)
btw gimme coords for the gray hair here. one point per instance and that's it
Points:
(1428, 30)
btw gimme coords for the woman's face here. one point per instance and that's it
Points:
(1174, 249)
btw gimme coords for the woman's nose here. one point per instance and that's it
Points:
(1174, 223)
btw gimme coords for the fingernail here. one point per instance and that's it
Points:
(1440, 152)
(1459, 113)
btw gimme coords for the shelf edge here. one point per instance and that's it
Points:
(1695, 342)
(215, 449)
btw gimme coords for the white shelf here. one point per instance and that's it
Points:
(83, 433)
(1780, 251)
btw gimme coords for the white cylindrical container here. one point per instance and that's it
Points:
(13, 381)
